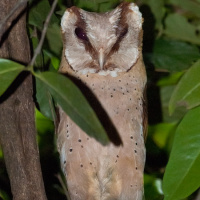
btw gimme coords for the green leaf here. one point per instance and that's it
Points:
(4, 195)
(9, 70)
(43, 124)
(178, 27)
(38, 13)
(161, 133)
(188, 5)
(187, 92)
(173, 55)
(182, 175)
(44, 99)
(70, 98)
(152, 188)
(172, 79)
(54, 39)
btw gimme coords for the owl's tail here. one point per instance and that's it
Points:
(104, 183)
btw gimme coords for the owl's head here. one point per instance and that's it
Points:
(104, 43)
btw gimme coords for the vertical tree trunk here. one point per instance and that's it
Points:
(17, 124)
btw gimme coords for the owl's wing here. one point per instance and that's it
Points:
(145, 114)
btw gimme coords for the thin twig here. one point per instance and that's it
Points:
(39, 47)
(7, 21)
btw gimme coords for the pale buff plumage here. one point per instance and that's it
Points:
(115, 171)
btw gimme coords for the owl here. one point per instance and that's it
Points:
(102, 54)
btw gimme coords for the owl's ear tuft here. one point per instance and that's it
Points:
(70, 17)
(64, 20)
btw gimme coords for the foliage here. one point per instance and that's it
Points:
(172, 58)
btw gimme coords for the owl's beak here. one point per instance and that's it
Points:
(101, 58)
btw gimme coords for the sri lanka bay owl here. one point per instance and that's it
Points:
(103, 54)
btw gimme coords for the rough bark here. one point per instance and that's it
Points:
(17, 124)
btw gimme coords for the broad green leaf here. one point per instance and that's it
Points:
(54, 39)
(187, 92)
(188, 5)
(55, 62)
(70, 98)
(38, 13)
(43, 124)
(165, 95)
(173, 55)
(161, 133)
(182, 175)
(172, 79)
(44, 99)
(178, 27)
(9, 70)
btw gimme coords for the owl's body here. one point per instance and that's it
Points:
(113, 78)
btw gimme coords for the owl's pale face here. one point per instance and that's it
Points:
(102, 43)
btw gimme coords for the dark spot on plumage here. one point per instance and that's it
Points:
(81, 165)
(131, 137)
(121, 32)
(70, 149)
(79, 140)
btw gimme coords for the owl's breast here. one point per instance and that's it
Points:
(118, 102)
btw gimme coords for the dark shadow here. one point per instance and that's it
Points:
(153, 91)
(14, 85)
(99, 110)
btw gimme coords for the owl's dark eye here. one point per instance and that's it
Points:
(80, 33)
(124, 32)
